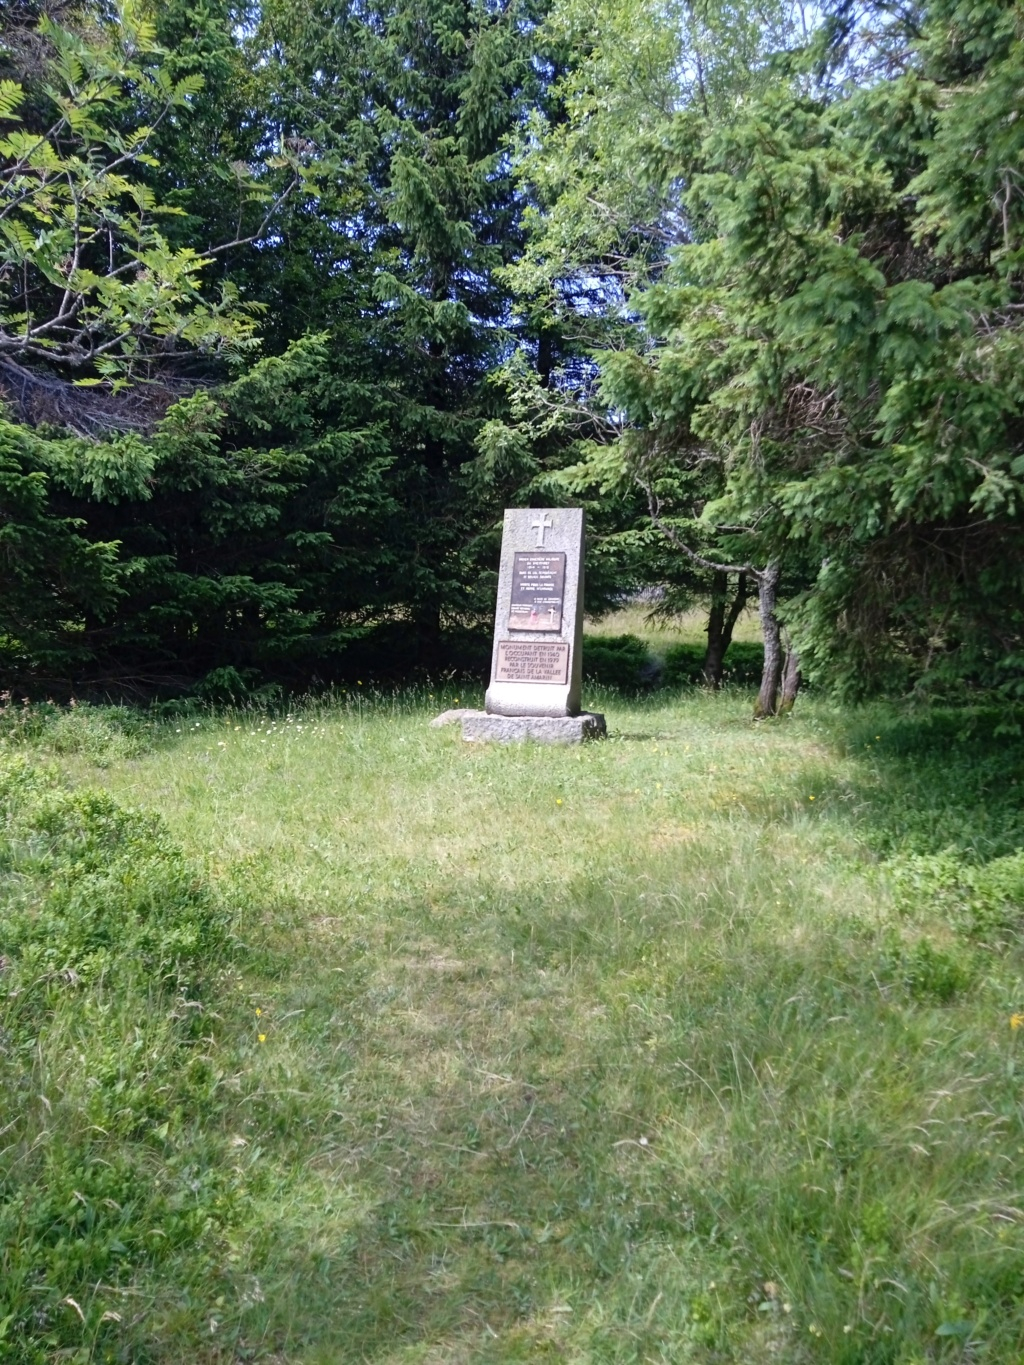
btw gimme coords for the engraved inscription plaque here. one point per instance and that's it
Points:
(538, 587)
(533, 661)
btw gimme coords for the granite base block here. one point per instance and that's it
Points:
(478, 725)
(452, 717)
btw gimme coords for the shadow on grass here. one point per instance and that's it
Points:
(490, 1125)
(936, 780)
(712, 1112)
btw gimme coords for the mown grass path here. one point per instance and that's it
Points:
(621, 1053)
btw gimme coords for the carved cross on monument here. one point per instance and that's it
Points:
(542, 524)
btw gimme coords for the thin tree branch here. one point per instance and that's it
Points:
(654, 508)
(246, 241)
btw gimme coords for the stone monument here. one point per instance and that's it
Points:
(537, 656)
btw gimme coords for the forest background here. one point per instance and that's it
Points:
(295, 298)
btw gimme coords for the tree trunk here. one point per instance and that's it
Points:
(738, 603)
(768, 697)
(790, 678)
(714, 656)
(721, 623)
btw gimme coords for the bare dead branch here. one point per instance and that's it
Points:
(670, 533)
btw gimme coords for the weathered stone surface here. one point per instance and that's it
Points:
(479, 726)
(539, 534)
(450, 717)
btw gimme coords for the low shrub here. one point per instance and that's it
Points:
(684, 664)
(106, 935)
(94, 890)
(100, 734)
(983, 902)
(929, 971)
(621, 661)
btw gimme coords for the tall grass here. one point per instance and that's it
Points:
(694, 1045)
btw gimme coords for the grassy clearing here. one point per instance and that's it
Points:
(660, 633)
(694, 1045)
(635, 652)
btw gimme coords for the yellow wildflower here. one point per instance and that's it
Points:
(262, 1037)
(1016, 1020)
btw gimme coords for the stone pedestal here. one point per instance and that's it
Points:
(478, 725)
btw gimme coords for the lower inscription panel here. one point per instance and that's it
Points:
(532, 661)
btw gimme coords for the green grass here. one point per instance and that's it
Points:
(693, 1045)
(636, 652)
(660, 633)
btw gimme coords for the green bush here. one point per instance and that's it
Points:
(984, 903)
(94, 890)
(101, 734)
(684, 664)
(106, 934)
(621, 661)
(929, 971)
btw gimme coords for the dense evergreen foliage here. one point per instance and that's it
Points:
(824, 383)
(294, 298)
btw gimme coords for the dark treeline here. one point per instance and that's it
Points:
(296, 297)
